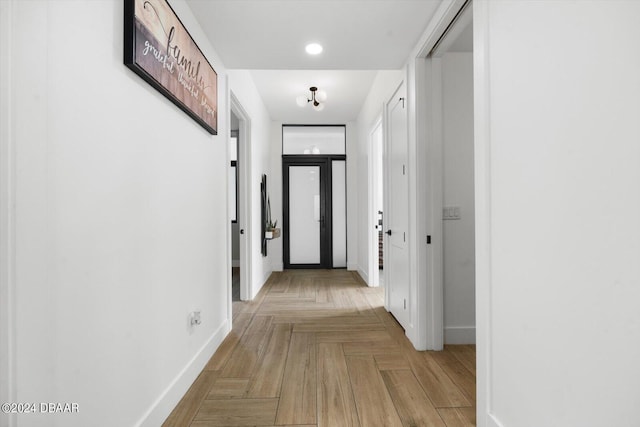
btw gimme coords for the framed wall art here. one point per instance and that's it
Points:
(159, 49)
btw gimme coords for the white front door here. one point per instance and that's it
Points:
(397, 221)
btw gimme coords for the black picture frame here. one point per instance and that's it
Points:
(159, 49)
(263, 213)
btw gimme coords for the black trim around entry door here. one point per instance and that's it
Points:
(326, 207)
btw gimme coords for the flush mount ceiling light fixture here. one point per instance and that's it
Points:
(317, 97)
(313, 49)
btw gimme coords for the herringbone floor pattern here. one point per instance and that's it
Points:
(317, 348)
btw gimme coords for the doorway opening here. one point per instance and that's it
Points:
(240, 277)
(233, 208)
(314, 196)
(451, 187)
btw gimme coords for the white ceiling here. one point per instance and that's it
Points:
(359, 37)
(272, 34)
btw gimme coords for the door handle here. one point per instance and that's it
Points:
(242, 231)
(389, 232)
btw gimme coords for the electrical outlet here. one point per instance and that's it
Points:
(194, 318)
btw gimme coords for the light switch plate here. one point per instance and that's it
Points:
(451, 212)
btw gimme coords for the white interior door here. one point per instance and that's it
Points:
(397, 220)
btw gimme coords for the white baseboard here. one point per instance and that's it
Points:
(352, 266)
(266, 276)
(235, 263)
(364, 276)
(459, 335)
(257, 289)
(492, 421)
(278, 266)
(162, 407)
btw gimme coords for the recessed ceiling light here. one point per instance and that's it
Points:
(313, 48)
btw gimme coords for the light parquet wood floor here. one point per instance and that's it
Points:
(317, 348)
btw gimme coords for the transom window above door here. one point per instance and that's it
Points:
(313, 140)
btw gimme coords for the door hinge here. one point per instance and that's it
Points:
(404, 236)
(403, 170)
(402, 99)
(428, 240)
(405, 304)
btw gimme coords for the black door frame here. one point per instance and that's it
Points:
(326, 206)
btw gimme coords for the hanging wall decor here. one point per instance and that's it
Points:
(263, 213)
(159, 49)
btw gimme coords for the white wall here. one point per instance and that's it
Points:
(458, 191)
(7, 217)
(558, 236)
(242, 85)
(353, 166)
(275, 191)
(383, 86)
(117, 220)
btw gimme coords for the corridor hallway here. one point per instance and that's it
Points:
(317, 348)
